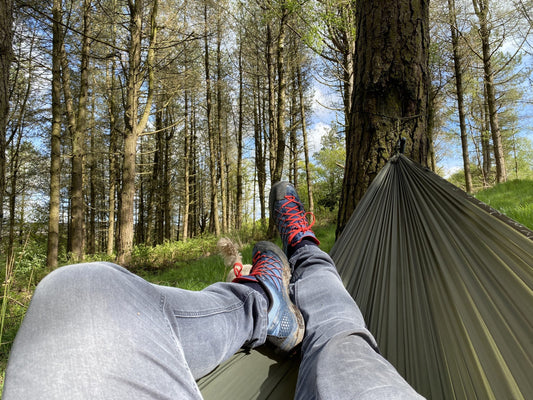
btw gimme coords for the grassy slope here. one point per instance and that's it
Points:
(513, 198)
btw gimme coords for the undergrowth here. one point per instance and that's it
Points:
(513, 198)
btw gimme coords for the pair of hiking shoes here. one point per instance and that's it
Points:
(271, 269)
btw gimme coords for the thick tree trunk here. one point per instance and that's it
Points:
(460, 102)
(55, 145)
(481, 8)
(390, 98)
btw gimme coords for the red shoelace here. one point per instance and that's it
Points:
(297, 220)
(264, 265)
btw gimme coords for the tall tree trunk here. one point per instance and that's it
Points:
(220, 135)
(186, 169)
(6, 55)
(238, 197)
(280, 123)
(293, 126)
(91, 231)
(486, 149)
(390, 98)
(15, 165)
(55, 138)
(15, 161)
(304, 137)
(77, 128)
(214, 221)
(272, 131)
(260, 162)
(113, 164)
(481, 8)
(133, 125)
(112, 110)
(166, 205)
(459, 87)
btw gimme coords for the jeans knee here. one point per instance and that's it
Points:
(73, 281)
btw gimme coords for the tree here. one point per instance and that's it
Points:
(55, 137)
(133, 124)
(214, 221)
(390, 97)
(77, 126)
(481, 8)
(457, 61)
(6, 55)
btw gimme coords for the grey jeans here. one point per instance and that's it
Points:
(97, 331)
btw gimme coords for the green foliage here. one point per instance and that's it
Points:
(519, 165)
(328, 170)
(191, 275)
(513, 198)
(171, 253)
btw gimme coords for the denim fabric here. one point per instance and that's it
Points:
(96, 331)
(339, 355)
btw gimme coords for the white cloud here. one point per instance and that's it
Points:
(448, 171)
(316, 131)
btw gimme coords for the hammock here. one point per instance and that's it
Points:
(445, 284)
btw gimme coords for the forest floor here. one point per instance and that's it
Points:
(196, 264)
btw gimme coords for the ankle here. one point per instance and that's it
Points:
(259, 288)
(306, 241)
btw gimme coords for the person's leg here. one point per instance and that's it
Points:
(340, 358)
(98, 331)
(339, 355)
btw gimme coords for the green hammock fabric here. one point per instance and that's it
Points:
(445, 285)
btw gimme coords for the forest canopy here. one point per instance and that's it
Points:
(154, 120)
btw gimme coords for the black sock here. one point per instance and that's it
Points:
(257, 286)
(306, 241)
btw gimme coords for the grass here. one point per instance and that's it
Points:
(513, 198)
(195, 264)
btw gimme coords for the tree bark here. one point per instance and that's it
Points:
(481, 8)
(272, 131)
(186, 168)
(460, 101)
(55, 139)
(220, 135)
(390, 97)
(238, 197)
(304, 137)
(133, 125)
(280, 120)
(214, 221)
(260, 162)
(6, 55)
